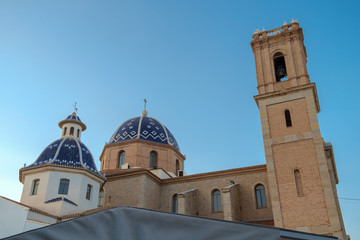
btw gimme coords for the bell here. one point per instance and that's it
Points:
(280, 72)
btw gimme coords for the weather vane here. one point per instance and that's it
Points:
(145, 101)
(75, 108)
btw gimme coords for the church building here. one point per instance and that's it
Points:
(142, 164)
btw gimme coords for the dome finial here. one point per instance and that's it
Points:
(75, 109)
(144, 112)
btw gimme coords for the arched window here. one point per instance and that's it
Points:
(101, 199)
(174, 205)
(65, 129)
(153, 159)
(78, 133)
(288, 118)
(299, 189)
(72, 131)
(260, 196)
(216, 200)
(177, 168)
(35, 186)
(280, 67)
(121, 158)
(88, 191)
(64, 186)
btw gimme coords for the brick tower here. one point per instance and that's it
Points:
(300, 165)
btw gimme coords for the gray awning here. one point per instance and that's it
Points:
(140, 224)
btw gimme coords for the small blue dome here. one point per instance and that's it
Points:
(69, 152)
(73, 118)
(145, 128)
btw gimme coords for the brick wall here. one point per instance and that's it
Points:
(137, 154)
(299, 118)
(247, 201)
(310, 208)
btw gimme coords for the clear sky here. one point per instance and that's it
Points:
(193, 62)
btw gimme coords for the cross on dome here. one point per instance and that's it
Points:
(144, 112)
(75, 109)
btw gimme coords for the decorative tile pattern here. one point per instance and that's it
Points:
(145, 128)
(69, 155)
(73, 117)
(152, 130)
(127, 131)
(87, 158)
(61, 199)
(172, 139)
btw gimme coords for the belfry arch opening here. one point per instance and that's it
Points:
(280, 67)
(72, 131)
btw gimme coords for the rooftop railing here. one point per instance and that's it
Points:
(276, 31)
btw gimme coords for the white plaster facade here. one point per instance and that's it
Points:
(67, 133)
(16, 218)
(49, 177)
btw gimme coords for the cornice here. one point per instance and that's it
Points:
(128, 173)
(285, 91)
(57, 168)
(120, 174)
(216, 174)
(133, 141)
(285, 31)
(294, 34)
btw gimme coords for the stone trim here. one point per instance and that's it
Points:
(59, 168)
(188, 202)
(125, 173)
(230, 202)
(108, 145)
(137, 172)
(328, 147)
(209, 175)
(282, 92)
(290, 138)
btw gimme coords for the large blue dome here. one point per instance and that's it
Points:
(145, 128)
(69, 152)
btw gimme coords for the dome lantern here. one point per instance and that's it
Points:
(72, 126)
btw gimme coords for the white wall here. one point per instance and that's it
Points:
(35, 200)
(12, 218)
(16, 218)
(30, 225)
(49, 186)
(68, 126)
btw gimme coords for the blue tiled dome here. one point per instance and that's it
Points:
(69, 152)
(145, 128)
(73, 117)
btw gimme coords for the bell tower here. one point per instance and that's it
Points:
(302, 177)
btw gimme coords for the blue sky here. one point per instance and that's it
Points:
(193, 62)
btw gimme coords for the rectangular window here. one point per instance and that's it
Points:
(64, 186)
(88, 191)
(174, 206)
(216, 198)
(260, 196)
(35, 187)
(101, 199)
